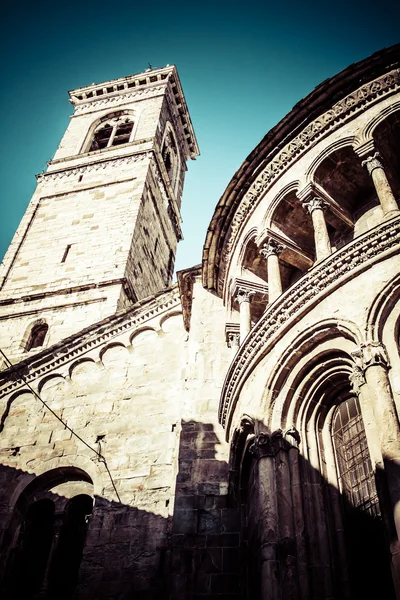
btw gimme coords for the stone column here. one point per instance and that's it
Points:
(375, 169)
(244, 297)
(316, 207)
(276, 524)
(270, 251)
(371, 359)
(267, 511)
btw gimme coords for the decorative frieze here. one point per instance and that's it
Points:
(113, 163)
(358, 254)
(330, 120)
(60, 354)
(115, 100)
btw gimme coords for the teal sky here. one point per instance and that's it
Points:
(243, 65)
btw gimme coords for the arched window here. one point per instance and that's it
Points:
(363, 524)
(114, 131)
(37, 336)
(355, 470)
(169, 153)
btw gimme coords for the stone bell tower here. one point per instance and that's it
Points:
(101, 230)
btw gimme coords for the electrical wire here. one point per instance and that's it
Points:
(100, 457)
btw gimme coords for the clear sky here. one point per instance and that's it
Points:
(243, 65)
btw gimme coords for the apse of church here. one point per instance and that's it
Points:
(235, 434)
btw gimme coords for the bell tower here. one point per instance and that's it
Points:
(102, 228)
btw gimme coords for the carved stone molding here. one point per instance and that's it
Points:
(271, 247)
(117, 100)
(370, 354)
(112, 163)
(335, 117)
(267, 445)
(314, 203)
(373, 162)
(301, 297)
(232, 334)
(356, 379)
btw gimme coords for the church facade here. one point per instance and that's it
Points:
(234, 435)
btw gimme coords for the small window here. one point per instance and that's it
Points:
(113, 132)
(37, 336)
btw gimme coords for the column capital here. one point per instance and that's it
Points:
(314, 203)
(244, 295)
(270, 247)
(232, 339)
(370, 354)
(357, 379)
(373, 162)
(269, 444)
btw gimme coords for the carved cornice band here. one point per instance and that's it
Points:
(301, 297)
(113, 163)
(85, 341)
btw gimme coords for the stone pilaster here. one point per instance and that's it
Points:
(385, 194)
(271, 250)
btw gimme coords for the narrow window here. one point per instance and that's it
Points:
(37, 337)
(66, 252)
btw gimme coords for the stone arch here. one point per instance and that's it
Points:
(28, 340)
(32, 534)
(129, 113)
(367, 133)
(381, 308)
(310, 345)
(352, 202)
(111, 346)
(140, 331)
(76, 364)
(10, 402)
(291, 187)
(49, 378)
(327, 150)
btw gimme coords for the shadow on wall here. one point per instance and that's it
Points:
(213, 545)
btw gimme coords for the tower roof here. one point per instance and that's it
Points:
(165, 76)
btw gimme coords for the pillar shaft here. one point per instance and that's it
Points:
(381, 184)
(270, 251)
(244, 298)
(315, 207)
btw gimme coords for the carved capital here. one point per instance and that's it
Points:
(270, 247)
(269, 444)
(292, 437)
(232, 339)
(314, 203)
(244, 295)
(372, 162)
(357, 379)
(370, 354)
